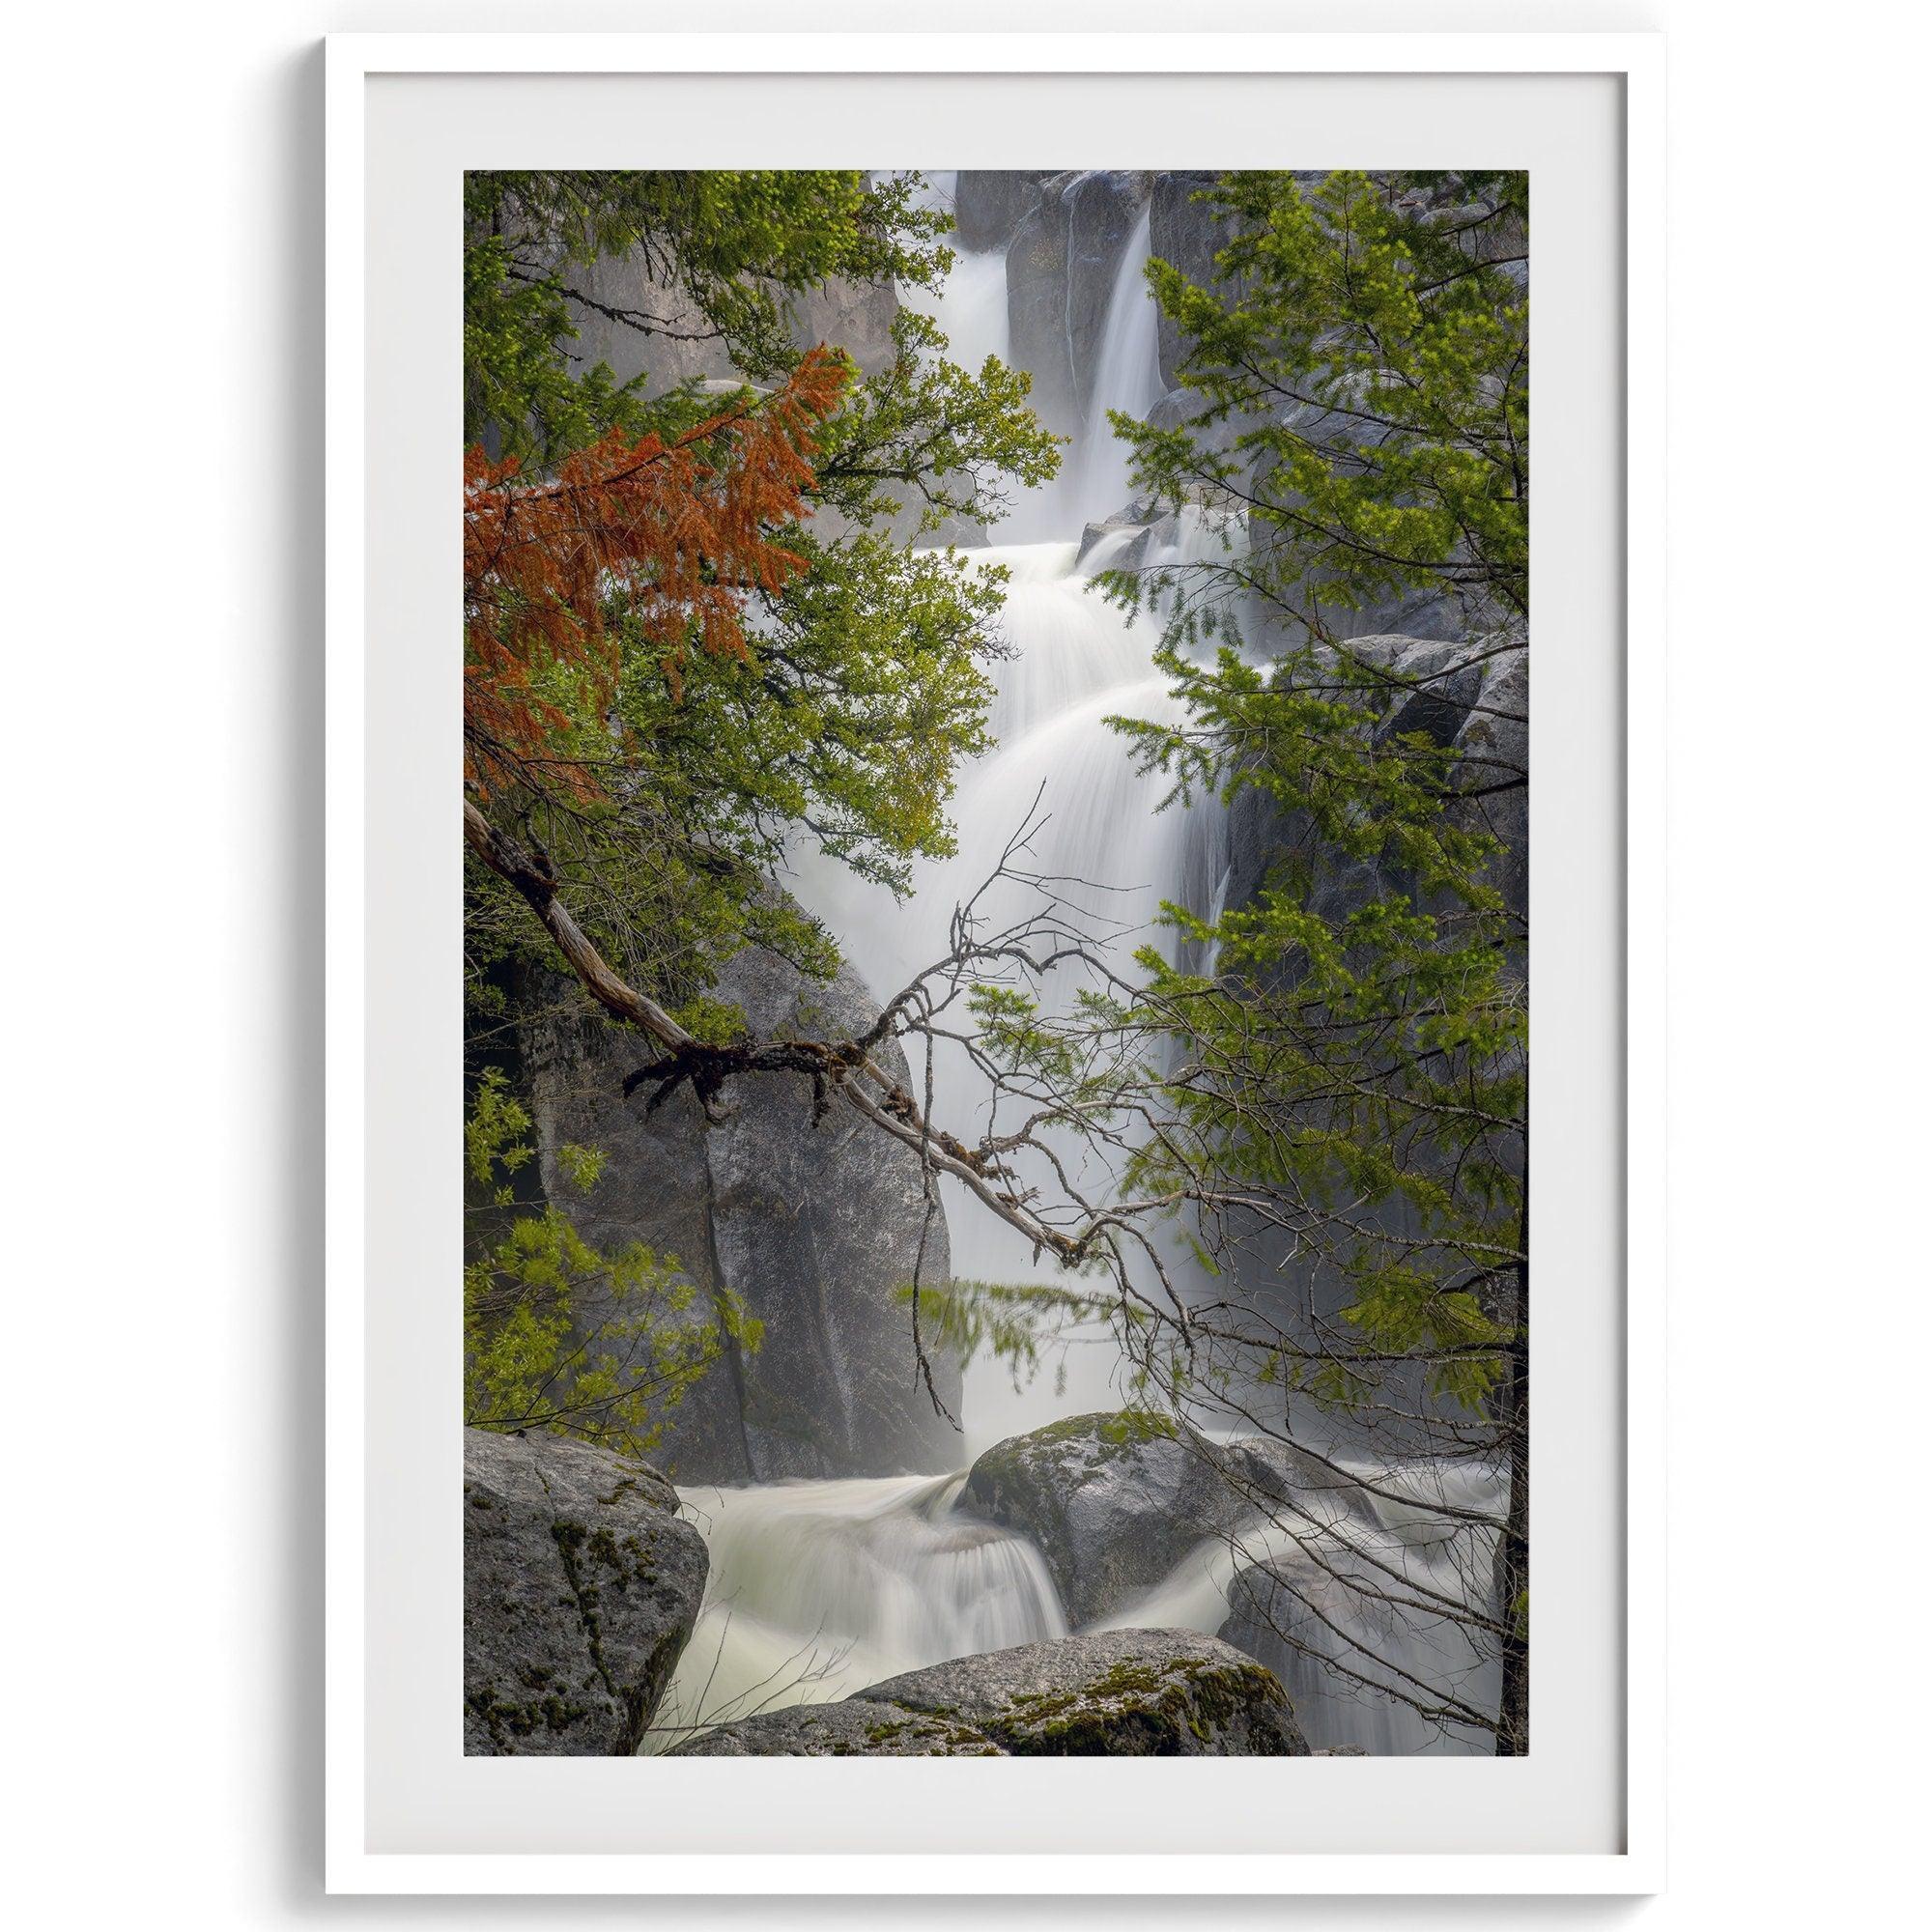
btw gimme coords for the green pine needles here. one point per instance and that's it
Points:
(1358, 1060)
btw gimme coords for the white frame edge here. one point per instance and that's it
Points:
(347, 65)
(1638, 59)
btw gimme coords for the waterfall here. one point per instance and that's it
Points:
(1073, 660)
(1127, 378)
(970, 308)
(818, 1589)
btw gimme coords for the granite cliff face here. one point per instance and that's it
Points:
(816, 1227)
(1065, 237)
(857, 316)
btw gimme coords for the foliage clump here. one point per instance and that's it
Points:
(557, 1334)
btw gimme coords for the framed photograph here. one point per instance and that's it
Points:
(933, 1150)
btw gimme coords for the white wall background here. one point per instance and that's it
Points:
(161, 401)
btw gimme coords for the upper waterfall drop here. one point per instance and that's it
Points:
(971, 307)
(1127, 378)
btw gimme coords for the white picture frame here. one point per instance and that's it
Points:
(366, 1454)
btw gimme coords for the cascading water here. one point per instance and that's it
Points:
(1348, 1555)
(818, 1589)
(1073, 660)
(970, 308)
(1128, 380)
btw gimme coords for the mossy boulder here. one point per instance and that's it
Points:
(580, 1585)
(1117, 1694)
(1121, 1693)
(1113, 1501)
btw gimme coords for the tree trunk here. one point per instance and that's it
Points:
(1513, 1557)
(1513, 1551)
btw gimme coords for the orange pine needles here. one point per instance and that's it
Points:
(671, 536)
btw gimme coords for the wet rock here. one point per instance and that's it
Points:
(1132, 529)
(680, 350)
(1062, 266)
(1188, 232)
(1140, 534)
(1446, 685)
(856, 317)
(1181, 234)
(1036, 262)
(1323, 1639)
(1113, 1501)
(1471, 695)
(1183, 407)
(1494, 743)
(580, 1585)
(1103, 207)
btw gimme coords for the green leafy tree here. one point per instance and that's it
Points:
(723, 250)
(863, 678)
